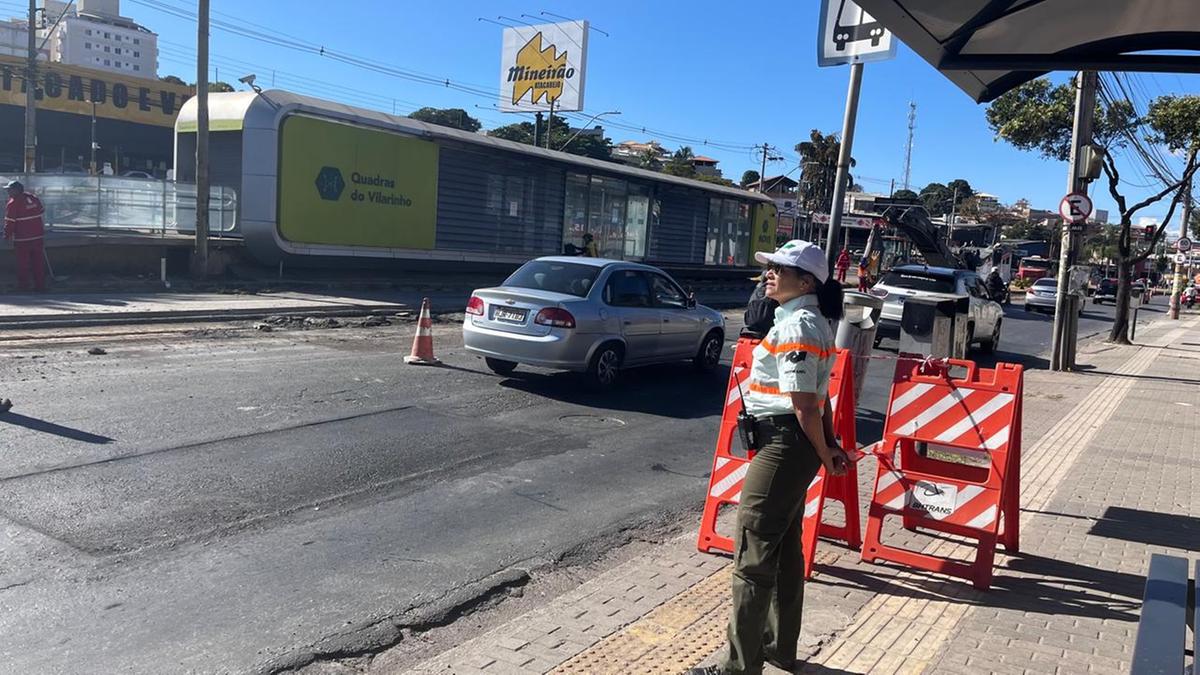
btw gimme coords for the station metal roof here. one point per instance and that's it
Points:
(987, 47)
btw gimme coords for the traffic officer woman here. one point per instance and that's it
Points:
(789, 397)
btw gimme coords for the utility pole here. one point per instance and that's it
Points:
(843, 165)
(762, 175)
(200, 263)
(1177, 282)
(550, 124)
(1064, 334)
(950, 220)
(31, 92)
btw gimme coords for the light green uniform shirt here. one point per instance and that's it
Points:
(796, 356)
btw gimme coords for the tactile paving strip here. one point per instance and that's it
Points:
(677, 635)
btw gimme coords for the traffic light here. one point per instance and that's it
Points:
(1149, 234)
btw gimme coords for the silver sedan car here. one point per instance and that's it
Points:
(590, 315)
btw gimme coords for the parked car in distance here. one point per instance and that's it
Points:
(590, 315)
(135, 174)
(1043, 294)
(1106, 291)
(984, 315)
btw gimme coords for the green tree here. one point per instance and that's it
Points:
(521, 132)
(586, 145)
(750, 176)
(1194, 222)
(447, 117)
(937, 199)
(1038, 116)
(962, 188)
(171, 79)
(680, 163)
(650, 159)
(905, 194)
(819, 157)
(716, 180)
(219, 87)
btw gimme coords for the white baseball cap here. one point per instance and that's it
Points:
(801, 254)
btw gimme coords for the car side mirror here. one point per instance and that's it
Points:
(691, 299)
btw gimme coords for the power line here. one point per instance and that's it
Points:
(273, 37)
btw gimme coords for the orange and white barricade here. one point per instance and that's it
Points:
(729, 469)
(932, 418)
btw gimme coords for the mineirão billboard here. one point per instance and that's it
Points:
(347, 185)
(75, 90)
(543, 65)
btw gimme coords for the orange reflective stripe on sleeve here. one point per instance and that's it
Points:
(765, 389)
(797, 347)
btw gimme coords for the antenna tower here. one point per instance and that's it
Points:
(912, 126)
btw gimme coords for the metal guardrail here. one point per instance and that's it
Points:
(116, 203)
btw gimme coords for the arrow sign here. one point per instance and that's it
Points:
(1075, 207)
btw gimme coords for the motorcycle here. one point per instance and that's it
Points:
(1189, 297)
(999, 293)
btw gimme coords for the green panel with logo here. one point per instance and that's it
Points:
(762, 228)
(349, 186)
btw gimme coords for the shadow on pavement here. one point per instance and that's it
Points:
(1149, 527)
(671, 390)
(1026, 583)
(34, 424)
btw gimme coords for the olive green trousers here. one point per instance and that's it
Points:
(768, 574)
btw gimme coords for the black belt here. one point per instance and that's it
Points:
(780, 421)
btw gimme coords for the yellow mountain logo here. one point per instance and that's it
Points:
(538, 72)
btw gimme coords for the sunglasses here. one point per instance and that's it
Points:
(776, 268)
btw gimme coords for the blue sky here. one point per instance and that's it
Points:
(738, 73)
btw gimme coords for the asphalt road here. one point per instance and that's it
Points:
(236, 501)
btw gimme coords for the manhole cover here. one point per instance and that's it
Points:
(592, 421)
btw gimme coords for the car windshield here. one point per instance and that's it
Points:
(557, 277)
(919, 281)
(1032, 264)
(1046, 283)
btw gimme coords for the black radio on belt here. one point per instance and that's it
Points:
(746, 423)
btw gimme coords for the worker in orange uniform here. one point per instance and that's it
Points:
(843, 264)
(23, 225)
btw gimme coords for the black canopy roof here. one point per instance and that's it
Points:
(987, 47)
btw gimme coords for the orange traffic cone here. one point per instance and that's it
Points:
(422, 347)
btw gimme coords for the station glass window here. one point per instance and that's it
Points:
(728, 241)
(575, 212)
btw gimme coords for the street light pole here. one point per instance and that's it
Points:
(31, 92)
(93, 163)
(200, 264)
(580, 131)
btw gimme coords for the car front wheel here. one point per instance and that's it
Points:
(709, 356)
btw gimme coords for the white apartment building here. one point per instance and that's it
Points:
(14, 39)
(93, 34)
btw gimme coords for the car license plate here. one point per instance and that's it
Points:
(509, 315)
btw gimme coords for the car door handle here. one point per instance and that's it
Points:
(666, 321)
(628, 323)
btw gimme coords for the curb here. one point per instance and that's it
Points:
(190, 316)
